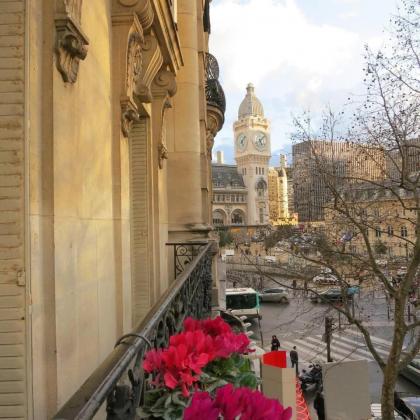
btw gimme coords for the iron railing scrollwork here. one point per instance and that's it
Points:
(214, 91)
(120, 380)
(184, 253)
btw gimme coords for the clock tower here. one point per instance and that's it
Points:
(252, 155)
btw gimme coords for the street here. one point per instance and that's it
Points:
(301, 323)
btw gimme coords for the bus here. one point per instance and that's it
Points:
(243, 301)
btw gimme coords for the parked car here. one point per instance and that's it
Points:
(331, 295)
(407, 406)
(277, 294)
(376, 413)
(413, 404)
(412, 372)
(325, 278)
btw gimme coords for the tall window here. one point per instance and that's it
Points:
(390, 230)
(256, 170)
(404, 232)
(261, 215)
(378, 232)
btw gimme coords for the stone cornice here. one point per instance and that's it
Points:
(142, 8)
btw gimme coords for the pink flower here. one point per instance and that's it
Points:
(201, 407)
(212, 327)
(236, 403)
(189, 352)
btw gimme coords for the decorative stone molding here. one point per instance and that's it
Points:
(163, 87)
(164, 84)
(215, 120)
(128, 42)
(152, 63)
(71, 42)
(162, 149)
(129, 115)
(143, 9)
(134, 61)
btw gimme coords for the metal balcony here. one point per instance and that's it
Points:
(214, 91)
(119, 382)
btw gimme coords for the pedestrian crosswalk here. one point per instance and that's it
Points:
(347, 345)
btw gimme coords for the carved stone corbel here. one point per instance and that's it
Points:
(162, 149)
(152, 62)
(215, 120)
(71, 42)
(127, 65)
(129, 115)
(163, 87)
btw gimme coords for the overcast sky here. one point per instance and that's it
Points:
(299, 54)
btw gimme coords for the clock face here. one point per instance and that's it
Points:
(260, 141)
(241, 141)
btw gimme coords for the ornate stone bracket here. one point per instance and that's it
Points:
(163, 87)
(129, 115)
(162, 149)
(152, 63)
(128, 63)
(215, 119)
(71, 42)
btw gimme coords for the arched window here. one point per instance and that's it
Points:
(218, 218)
(261, 188)
(238, 217)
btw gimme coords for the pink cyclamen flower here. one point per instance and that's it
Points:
(235, 403)
(201, 407)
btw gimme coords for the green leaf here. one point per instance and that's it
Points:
(247, 379)
(216, 384)
(168, 401)
(176, 398)
(159, 402)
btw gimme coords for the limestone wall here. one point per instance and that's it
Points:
(13, 338)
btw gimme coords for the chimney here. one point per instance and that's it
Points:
(219, 156)
(283, 161)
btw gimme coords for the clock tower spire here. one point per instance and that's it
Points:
(252, 155)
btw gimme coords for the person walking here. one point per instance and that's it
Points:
(294, 358)
(275, 343)
(319, 406)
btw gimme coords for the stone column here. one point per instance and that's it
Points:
(184, 162)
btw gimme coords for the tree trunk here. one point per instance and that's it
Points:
(391, 369)
(387, 397)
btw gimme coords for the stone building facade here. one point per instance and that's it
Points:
(388, 218)
(309, 186)
(108, 112)
(279, 192)
(230, 196)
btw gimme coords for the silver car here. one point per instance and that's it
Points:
(275, 294)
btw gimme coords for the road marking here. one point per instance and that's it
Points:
(373, 338)
(345, 351)
(314, 351)
(365, 348)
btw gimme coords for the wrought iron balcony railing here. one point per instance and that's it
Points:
(119, 381)
(214, 91)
